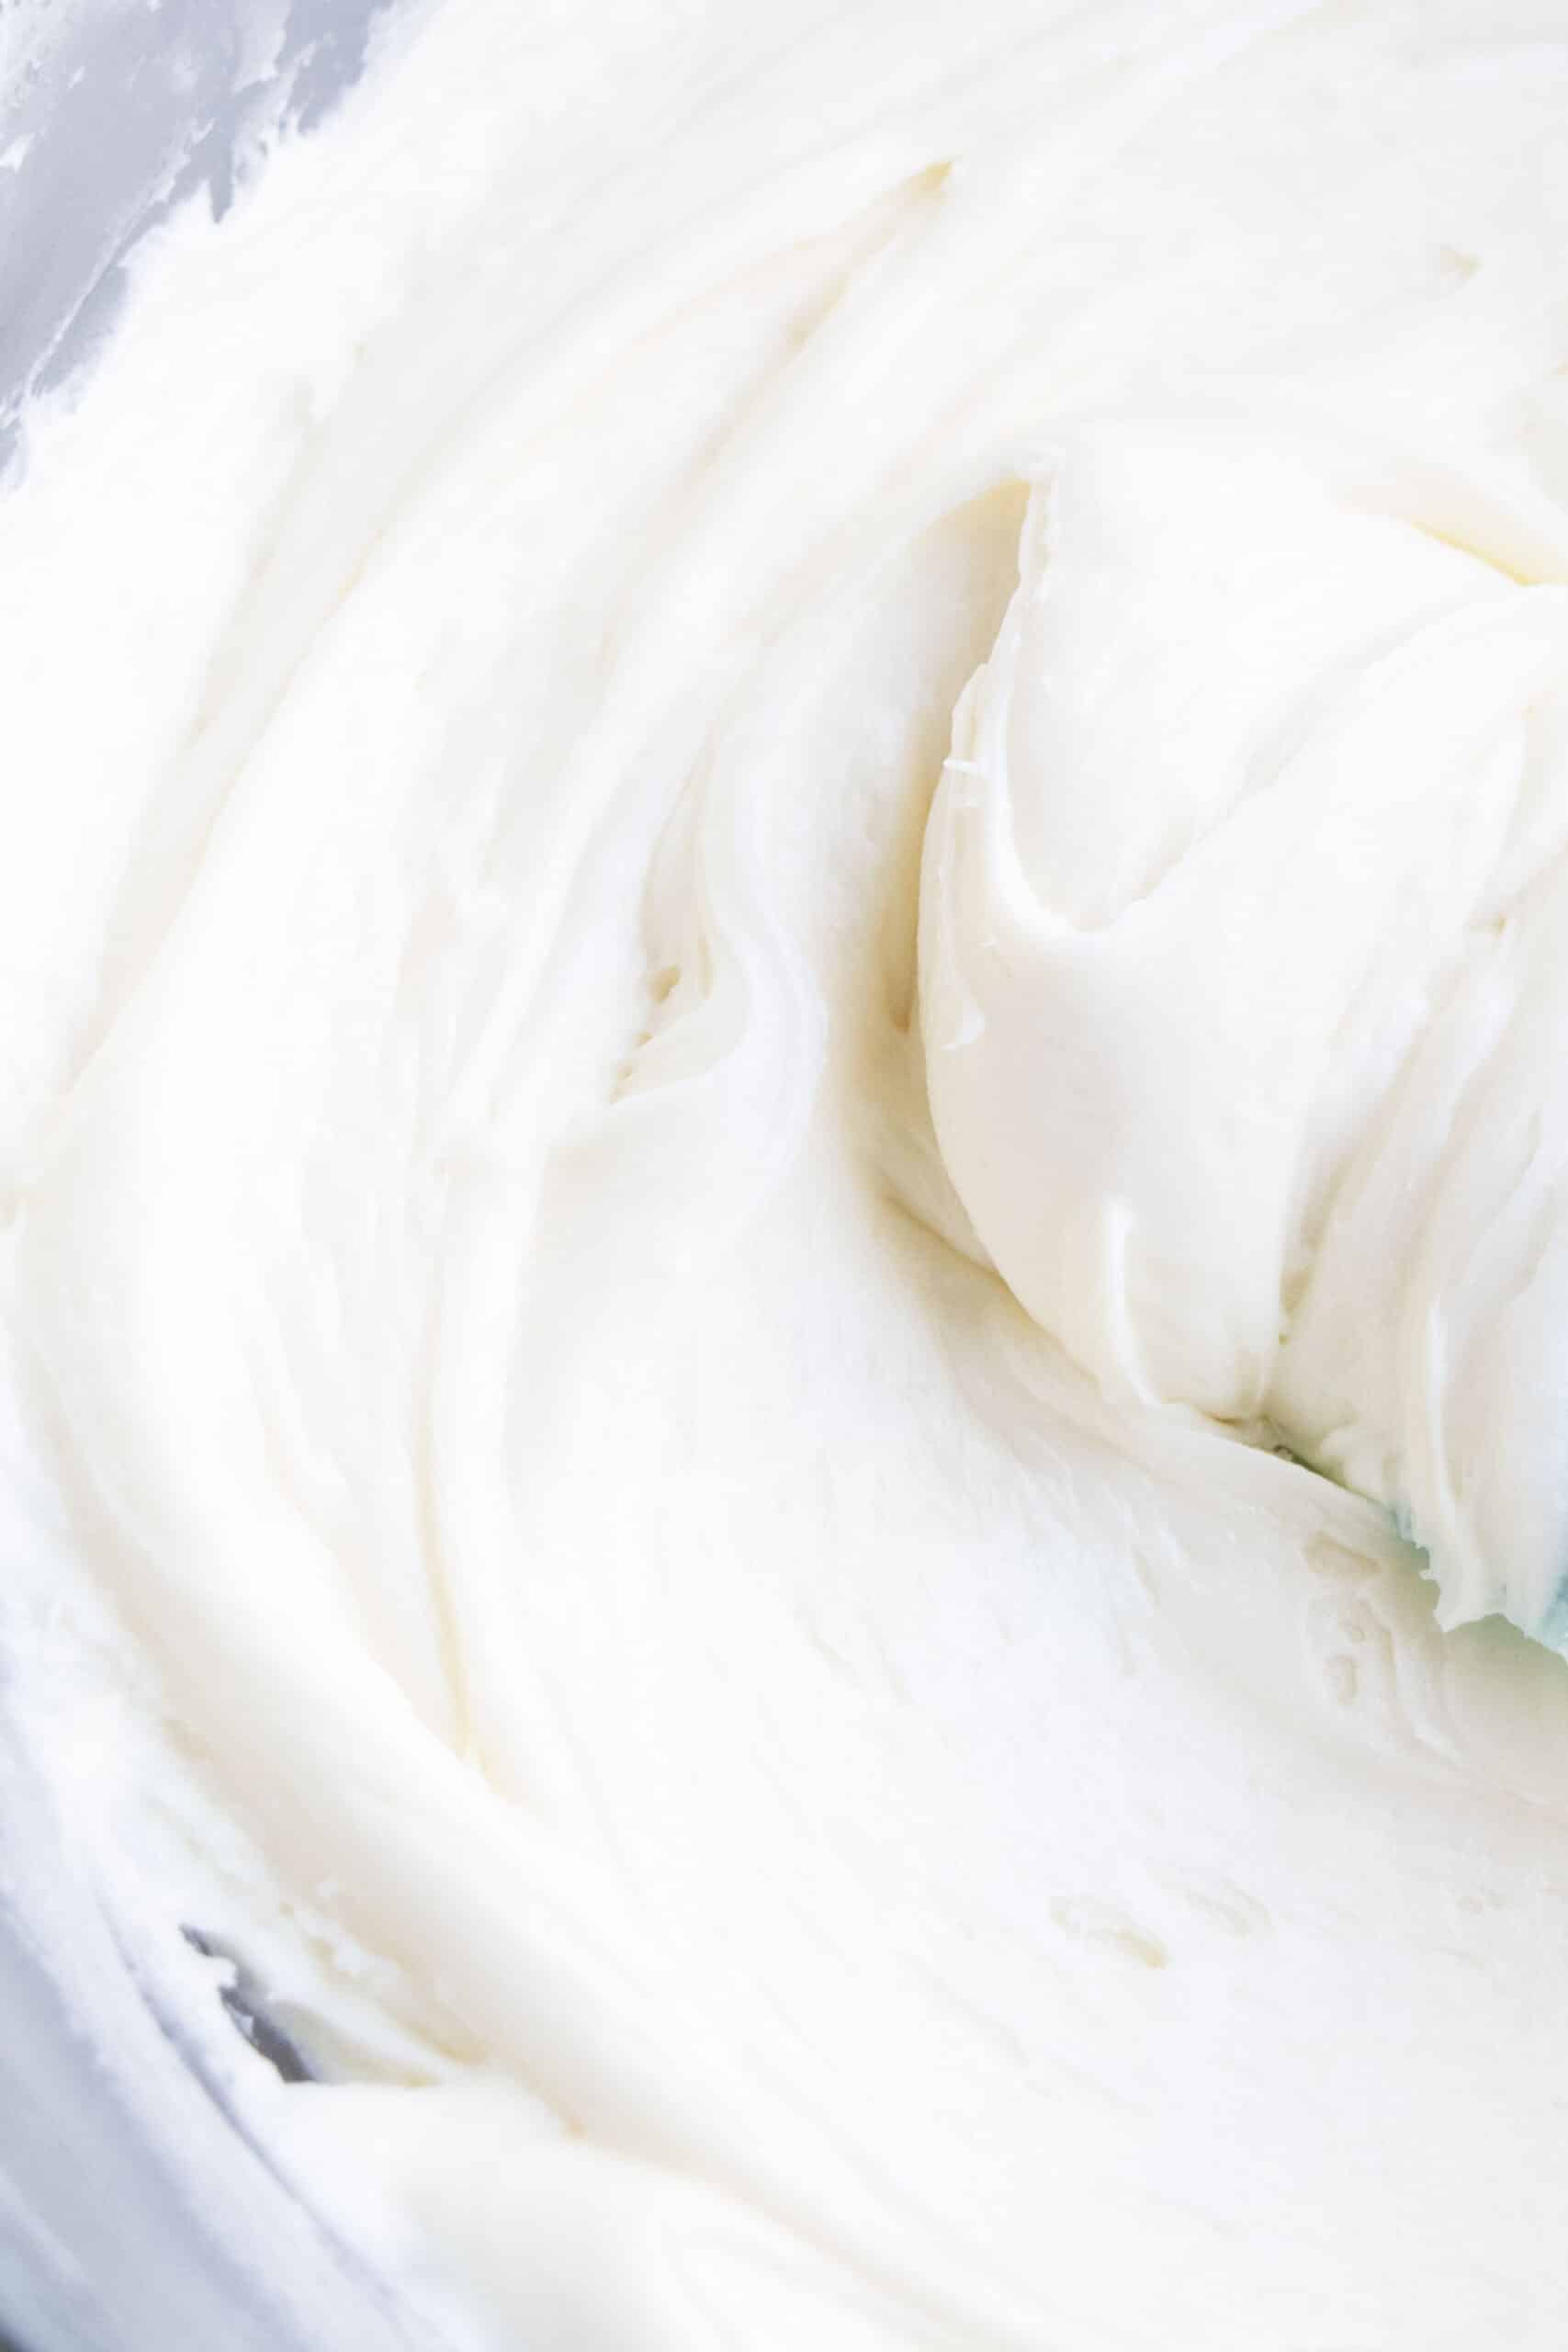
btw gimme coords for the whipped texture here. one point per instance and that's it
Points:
(785, 933)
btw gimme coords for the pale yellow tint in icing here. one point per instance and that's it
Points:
(786, 820)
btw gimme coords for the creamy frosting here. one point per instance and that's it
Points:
(1241, 967)
(781, 921)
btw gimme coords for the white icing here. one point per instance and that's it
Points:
(812, 1794)
(1241, 967)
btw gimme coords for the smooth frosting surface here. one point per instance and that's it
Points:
(783, 916)
(1242, 966)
